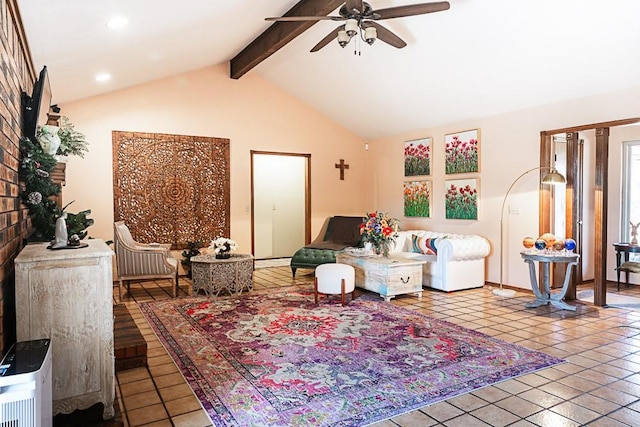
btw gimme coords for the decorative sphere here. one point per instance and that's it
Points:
(528, 242)
(549, 239)
(540, 244)
(558, 245)
(570, 244)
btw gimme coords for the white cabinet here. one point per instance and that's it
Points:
(66, 295)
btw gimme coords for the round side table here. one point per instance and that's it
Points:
(545, 261)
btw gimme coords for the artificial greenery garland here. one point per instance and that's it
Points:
(35, 172)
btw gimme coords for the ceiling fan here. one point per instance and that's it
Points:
(360, 19)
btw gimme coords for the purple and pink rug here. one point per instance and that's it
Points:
(279, 360)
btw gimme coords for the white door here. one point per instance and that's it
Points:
(279, 204)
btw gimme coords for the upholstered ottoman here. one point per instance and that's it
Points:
(311, 258)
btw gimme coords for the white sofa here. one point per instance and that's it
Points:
(459, 262)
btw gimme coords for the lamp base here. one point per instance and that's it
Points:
(506, 293)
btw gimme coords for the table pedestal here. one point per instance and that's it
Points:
(547, 297)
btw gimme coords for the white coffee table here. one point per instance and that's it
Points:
(387, 276)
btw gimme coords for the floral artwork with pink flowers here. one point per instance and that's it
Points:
(461, 199)
(417, 157)
(462, 152)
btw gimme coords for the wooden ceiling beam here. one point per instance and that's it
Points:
(279, 34)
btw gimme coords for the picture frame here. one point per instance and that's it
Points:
(417, 198)
(461, 198)
(417, 157)
(462, 152)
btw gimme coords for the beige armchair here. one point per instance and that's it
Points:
(140, 261)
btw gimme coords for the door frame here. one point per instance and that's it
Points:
(601, 199)
(307, 195)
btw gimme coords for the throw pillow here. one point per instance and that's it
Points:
(424, 245)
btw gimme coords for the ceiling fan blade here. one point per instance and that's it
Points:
(385, 35)
(354, 5)
(328, 39)
(304, 18)
(410, 10)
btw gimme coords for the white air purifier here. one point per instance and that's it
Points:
(25, 385)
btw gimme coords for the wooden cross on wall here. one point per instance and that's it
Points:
(342, 166)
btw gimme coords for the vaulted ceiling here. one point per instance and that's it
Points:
(479, 58)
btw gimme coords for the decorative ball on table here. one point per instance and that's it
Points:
(570, 244)
(558, 245)
(549, 238)
(540, 244)
(528, 242)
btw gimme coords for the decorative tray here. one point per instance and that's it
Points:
(81, 245)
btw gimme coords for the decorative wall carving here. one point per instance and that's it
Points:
(171, 188)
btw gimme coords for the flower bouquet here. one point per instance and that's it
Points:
(380, 230)
(222, 247)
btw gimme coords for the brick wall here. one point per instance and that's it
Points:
(16, 76)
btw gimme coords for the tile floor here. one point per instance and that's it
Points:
(598, 386)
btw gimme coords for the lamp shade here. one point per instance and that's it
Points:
(554, 177)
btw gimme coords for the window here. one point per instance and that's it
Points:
(630, 188)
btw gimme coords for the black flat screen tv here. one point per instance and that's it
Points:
(36, 106)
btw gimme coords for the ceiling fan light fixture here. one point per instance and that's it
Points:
(343, 38)
(351, 27)
(370, 35)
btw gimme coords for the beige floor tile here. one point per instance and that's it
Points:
(140, 400)
(495, 416)
(442, 411)
(595, 403)
(415, 418)
(169, 380)
(551, 419)
(136, 387)
(175, 392)
(132, 375)
(576, 412)
(146, 415)
(182, 405)
(465, 420)
(467, 402)
(192, 419)
(519, 406)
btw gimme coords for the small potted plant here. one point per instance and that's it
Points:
(193, 249)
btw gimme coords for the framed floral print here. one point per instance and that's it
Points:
(417, 198)
(417, 157)
(462, 152)
(461, 199)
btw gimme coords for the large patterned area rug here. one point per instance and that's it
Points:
(279, 360)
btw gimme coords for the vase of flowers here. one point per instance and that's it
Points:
(222, 247)
(380, 230)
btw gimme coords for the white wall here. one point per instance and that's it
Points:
(509, 145)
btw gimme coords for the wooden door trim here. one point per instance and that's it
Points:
(601, 199)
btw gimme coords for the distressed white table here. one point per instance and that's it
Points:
(213, 275)
(387, 276)
(545, 261)
(66, 295)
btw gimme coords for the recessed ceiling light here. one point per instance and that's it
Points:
(103, 77)
(117, 22)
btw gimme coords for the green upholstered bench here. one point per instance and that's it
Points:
(338, 232)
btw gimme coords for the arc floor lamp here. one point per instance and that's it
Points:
(554, 178)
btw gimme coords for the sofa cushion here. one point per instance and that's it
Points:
(424, 245)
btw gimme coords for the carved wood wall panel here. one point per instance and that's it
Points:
(171, 188)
